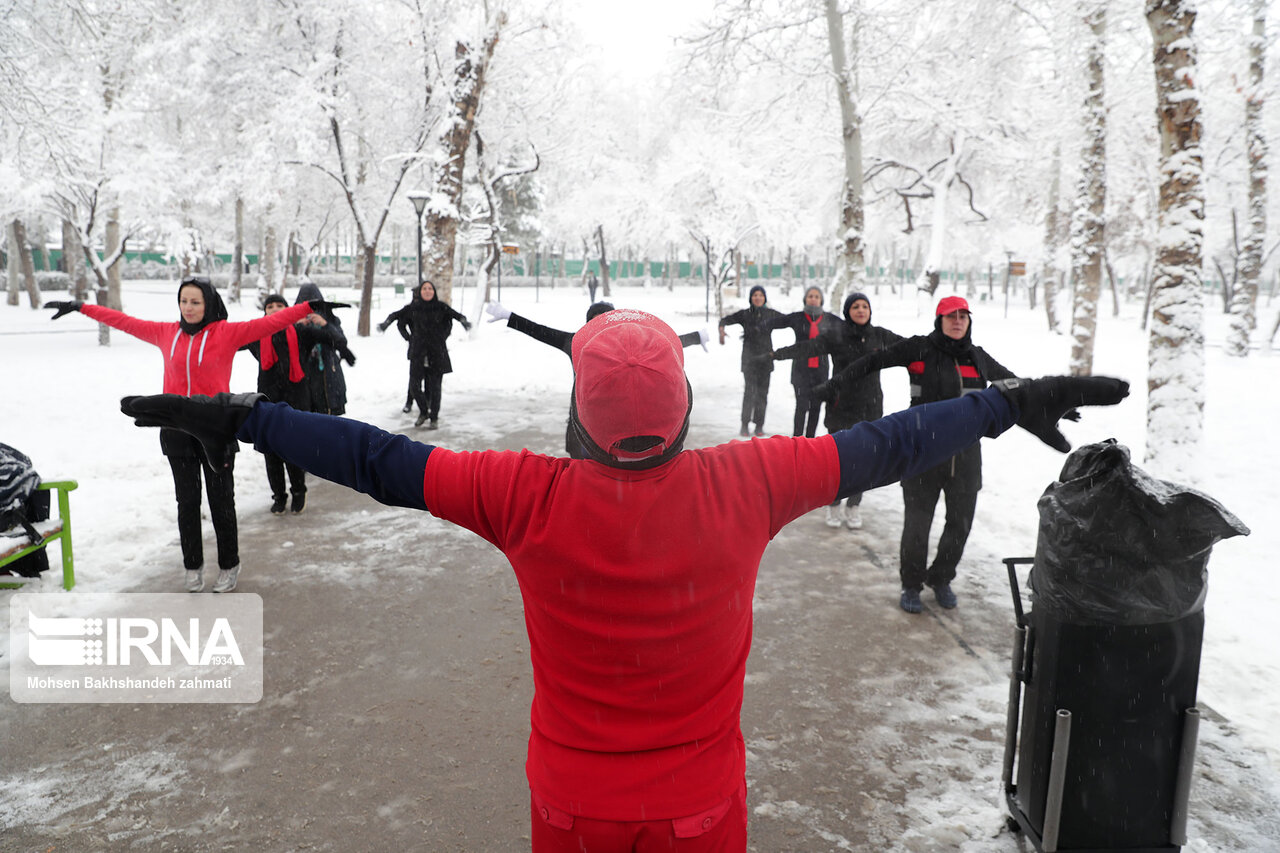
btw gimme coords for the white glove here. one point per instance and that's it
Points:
(496, 312)
(703, 337)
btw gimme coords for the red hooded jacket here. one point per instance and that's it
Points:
(199, 363)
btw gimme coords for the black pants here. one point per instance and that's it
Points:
(220, 486)
(808, 408)
(276, 468)
(425, 385)
(835, 421)
(920, 498)
(755, 395)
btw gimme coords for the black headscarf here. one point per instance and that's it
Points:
(214, 309)
(950, 345)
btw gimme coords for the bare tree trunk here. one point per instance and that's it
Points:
(1175, 360)
(73, 258)
(1091, 201)
(267, 262)
(1244, 306)
(237, 255)
(930, 275)
(1115, 285)
(440, 228)
(850, 265)
(604, 262)
(18, 246)
(1052, 241)
(13, 269)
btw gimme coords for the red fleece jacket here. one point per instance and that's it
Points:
(199, 363)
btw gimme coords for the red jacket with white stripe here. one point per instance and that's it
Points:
(199, 363)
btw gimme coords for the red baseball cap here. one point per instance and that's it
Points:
(952, 303)
(629, 383)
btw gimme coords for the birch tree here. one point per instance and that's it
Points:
(1175, 378)
(1052, 239)
(1088, 243)
(850, 263)
(1244, 304)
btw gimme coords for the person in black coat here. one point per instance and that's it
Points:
(282, 377)
(323, 360)
(808, 373)
(943, 364)
(425, 323)
(863, 399)
(563, 341)
(757, 365)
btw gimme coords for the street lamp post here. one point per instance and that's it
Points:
(419, 199)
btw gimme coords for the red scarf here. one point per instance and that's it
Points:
(268, 352)
(813, 333)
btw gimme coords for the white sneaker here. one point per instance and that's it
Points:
(226, 579)
(834, 516)
(195, 580)
(853, 517)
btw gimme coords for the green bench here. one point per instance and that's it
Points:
(15, 543)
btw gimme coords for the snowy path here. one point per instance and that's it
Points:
(396, 703)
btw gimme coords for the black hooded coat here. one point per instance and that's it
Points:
(426, 324)
(323, 359)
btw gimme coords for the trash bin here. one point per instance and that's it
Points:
(398, 283)
(1107, 662)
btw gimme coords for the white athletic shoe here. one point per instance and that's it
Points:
(195, 580)
(834, 517)
(853, 517)
(226, 579)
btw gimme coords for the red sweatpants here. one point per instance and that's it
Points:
(722, 829)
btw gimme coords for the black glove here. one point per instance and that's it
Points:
(64, 308)
(319, 306)
(212, 421)
(466, 325)
(349, 357)
(825, 391)
(382, 327)
(1042, 402)
(784, 353)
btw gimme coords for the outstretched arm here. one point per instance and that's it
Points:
(804, 349)
(914, 440)
(906, 443)
(385, 466)
(562, 341)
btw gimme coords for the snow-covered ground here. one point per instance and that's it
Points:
(60, 393)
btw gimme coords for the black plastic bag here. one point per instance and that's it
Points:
(1119, 547)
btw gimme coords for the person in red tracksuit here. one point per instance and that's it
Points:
(637, 566)
(198, 350)
(942, 365)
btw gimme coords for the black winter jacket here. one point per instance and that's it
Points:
(798, 321)
(274, 382)
(426, 326)
(940, 368)
(861, 399)
(757, 343)
(324, 359)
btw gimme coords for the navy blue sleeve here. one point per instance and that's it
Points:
(385, 466)
(910, 442)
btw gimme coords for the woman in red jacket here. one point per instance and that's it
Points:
(198, 350)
